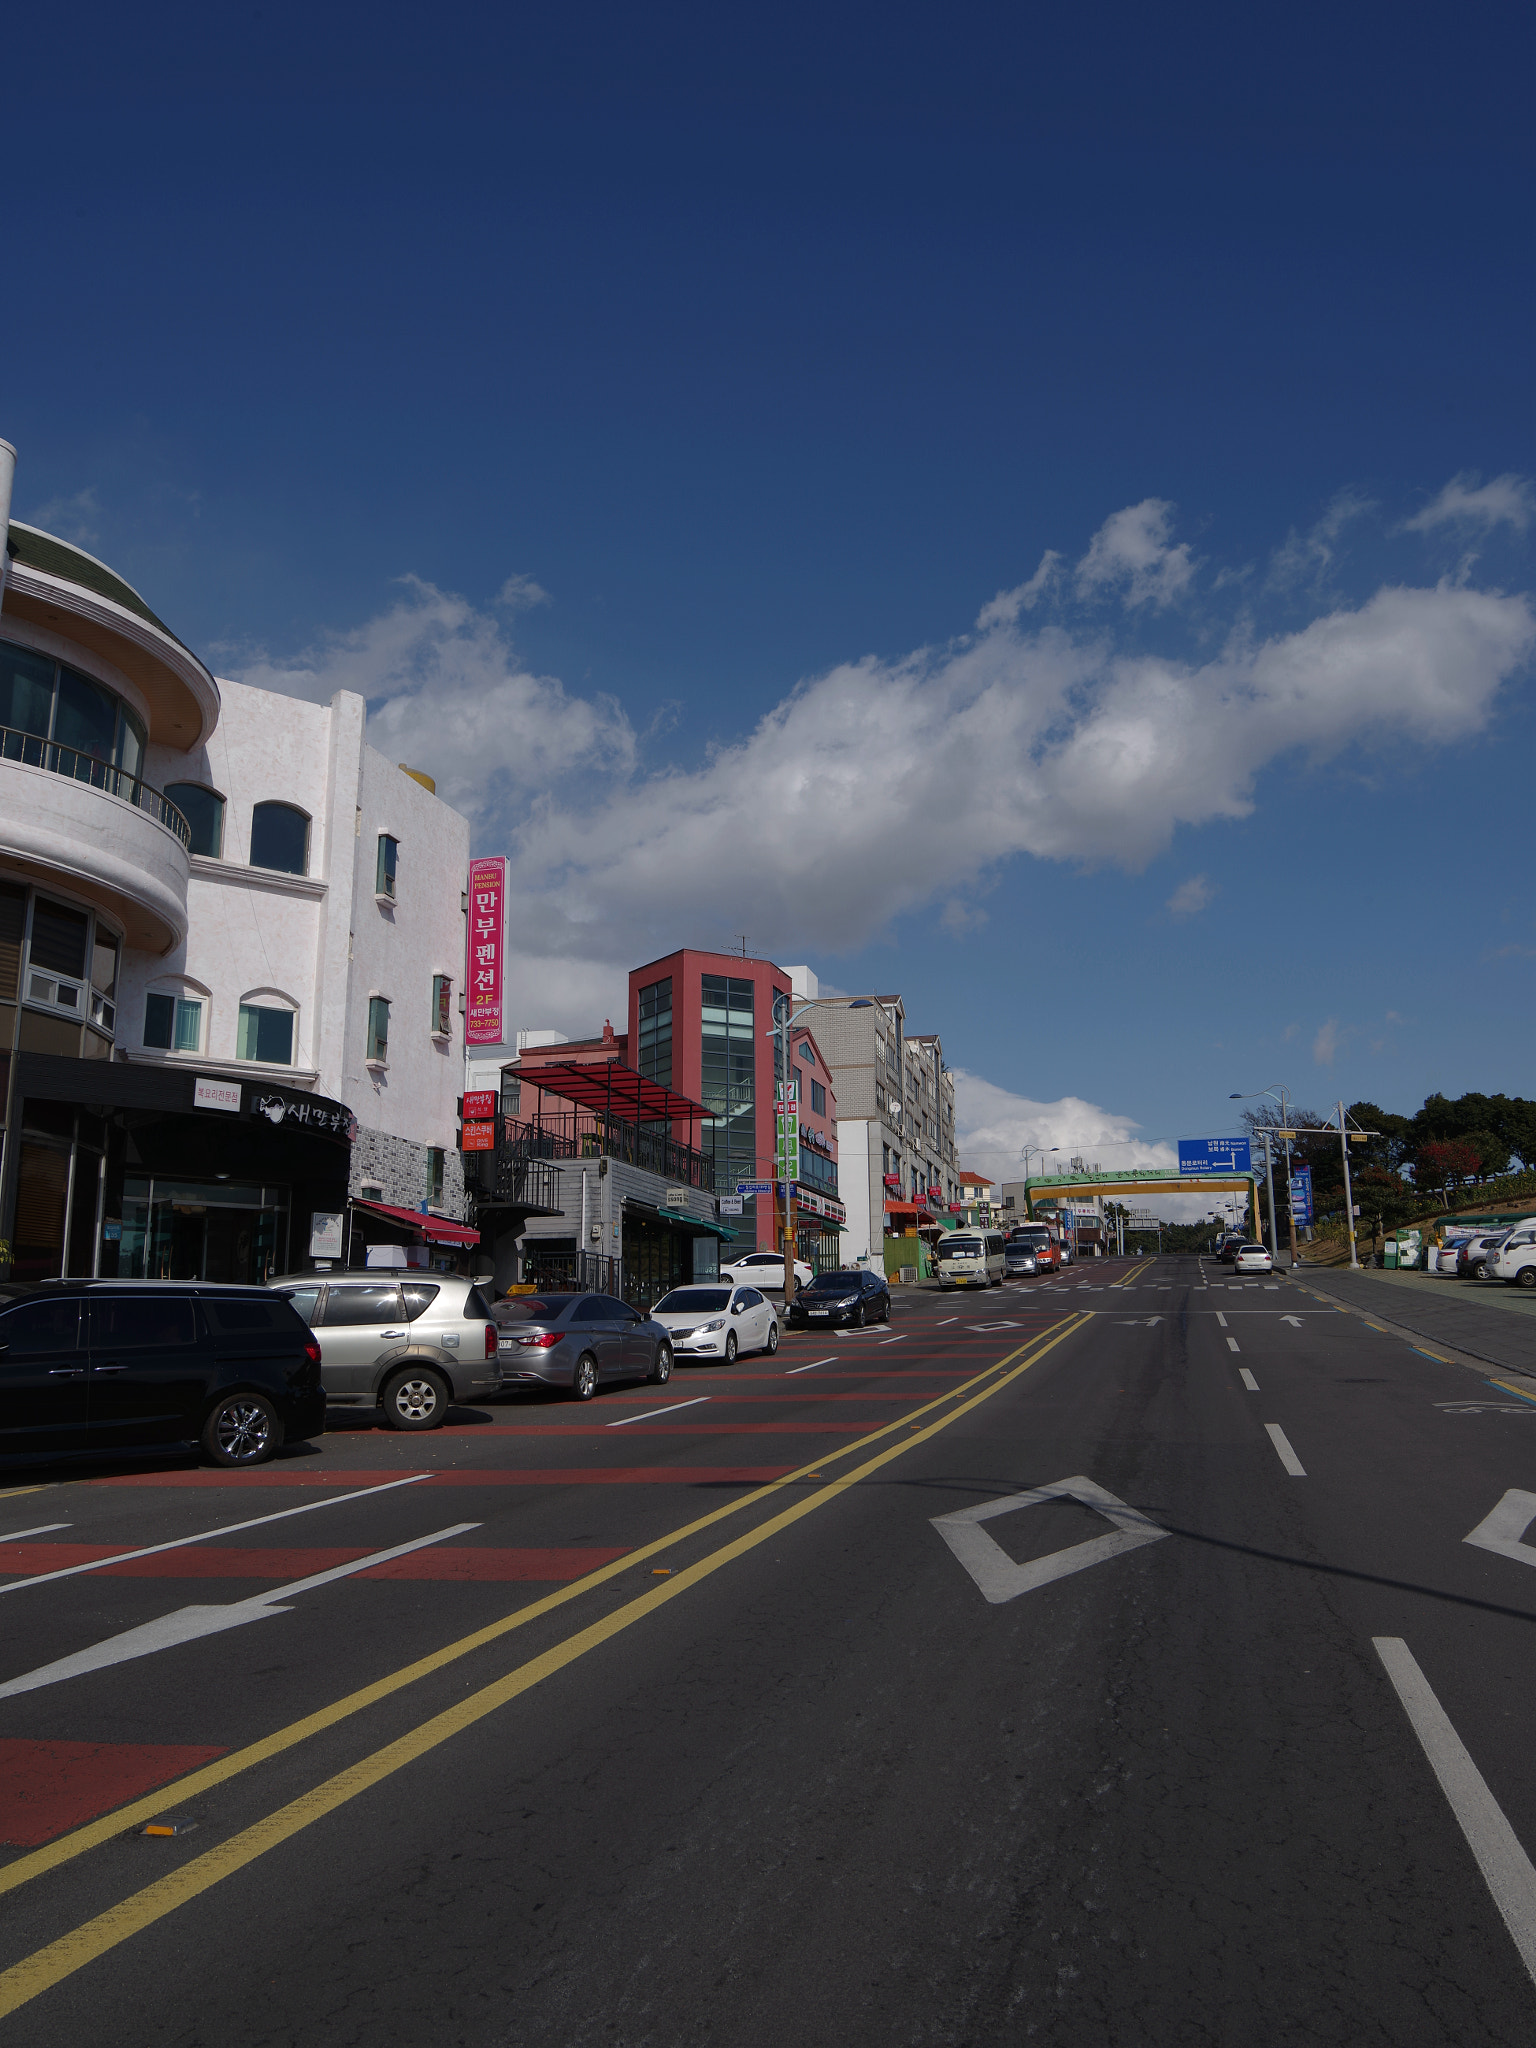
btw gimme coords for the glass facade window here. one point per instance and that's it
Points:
(384, 873)
(654, 1053)
(434, 1176)
(378, 1028)
(173, 1023)
(728, 1055)
(818, 1098)
(280, 839)
(442, 1005)
(42, 700)
(265, 1034)
(203, 810)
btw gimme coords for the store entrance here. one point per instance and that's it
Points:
(202, 1230)
(656, 1259)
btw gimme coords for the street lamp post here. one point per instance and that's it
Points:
(1285, 1132)
(783, 1023)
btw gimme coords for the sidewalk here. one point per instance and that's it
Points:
(1467, 1316)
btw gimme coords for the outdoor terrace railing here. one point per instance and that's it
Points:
(70, 762)
(522, 1181)
(583, 1134)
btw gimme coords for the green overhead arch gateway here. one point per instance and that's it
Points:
(1055, 1187)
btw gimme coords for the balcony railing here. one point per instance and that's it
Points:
(35, 752)
(583, 1134)
(521, 1182)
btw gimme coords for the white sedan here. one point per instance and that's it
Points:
(717, 1322)
(1252, 1258)
(765, 1269)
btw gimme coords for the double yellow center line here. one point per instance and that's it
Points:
(96, 1937)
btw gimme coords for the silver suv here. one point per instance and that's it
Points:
(409, 1343)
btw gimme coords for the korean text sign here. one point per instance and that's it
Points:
(483, 963)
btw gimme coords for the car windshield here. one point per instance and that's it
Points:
(527, 1308)
(835, 1283)
(961, 1248)
(692, 1300)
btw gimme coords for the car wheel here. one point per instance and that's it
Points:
(730, 1347)
(773, 1338)
(885, 1310)
(1526, 1277)
(661, 1371)
(857, 1318)
(242, 1429)
(584, 1379)
(415, 1400)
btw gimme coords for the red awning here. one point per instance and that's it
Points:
(611, 1089)
(915, 1209)
(435, 1229)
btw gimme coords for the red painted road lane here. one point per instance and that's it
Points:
(47, 1788)
(549, 1566)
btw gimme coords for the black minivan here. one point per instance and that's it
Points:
(100, 1366)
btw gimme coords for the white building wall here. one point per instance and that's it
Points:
(860, 1189)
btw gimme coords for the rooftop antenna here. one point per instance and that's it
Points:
(743, 938)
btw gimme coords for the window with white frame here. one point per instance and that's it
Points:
(173, 1023)
(442, 1005)
(266, 1030)
(384, 874)
(378, 1030)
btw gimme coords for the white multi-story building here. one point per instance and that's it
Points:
(895, 1113)
(231, 937)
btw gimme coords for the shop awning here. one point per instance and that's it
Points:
(913, 1209)
(609, 1088)
(698, 1223)
(435, 1229)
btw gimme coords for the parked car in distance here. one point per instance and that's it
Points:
(93, 1366)
(1047, 1247)
(408, 1344)
(1472, 1254)
(1020, 1256)
(1252, 1258)
(577, 1342)
(971, 1258)
(765, 1270)
(1229, 1246)
(717, 1322)
(854, 1296)
(1514, 1259)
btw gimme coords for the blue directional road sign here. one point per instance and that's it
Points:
(754, 1187)
(1214, 1155)
(1301, 1194)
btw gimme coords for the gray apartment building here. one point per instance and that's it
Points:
(895, 1112)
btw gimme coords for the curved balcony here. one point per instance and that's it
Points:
(99, 831)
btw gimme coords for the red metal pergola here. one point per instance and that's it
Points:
(608, 1088)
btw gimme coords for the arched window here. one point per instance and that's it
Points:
(267, 1028)
(280, 839)
(203, 810)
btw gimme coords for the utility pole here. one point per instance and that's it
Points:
(1349, 1193)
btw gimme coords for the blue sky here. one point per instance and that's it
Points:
(644, 409)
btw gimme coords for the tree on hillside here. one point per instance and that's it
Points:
(1445, 1163)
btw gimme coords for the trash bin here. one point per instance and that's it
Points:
(1390, 1255)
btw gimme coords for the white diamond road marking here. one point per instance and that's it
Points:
(984, 1327)
(1504, 1530)
(995, 1572)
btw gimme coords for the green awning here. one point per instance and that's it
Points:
(698, 1223)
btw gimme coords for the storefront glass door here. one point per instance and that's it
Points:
(202, 1230)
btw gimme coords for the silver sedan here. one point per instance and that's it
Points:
(577, 1342)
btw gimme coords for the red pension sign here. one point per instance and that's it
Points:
(480, 1102)
(483, 962)
(479, 1138)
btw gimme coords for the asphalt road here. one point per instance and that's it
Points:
(676, 1719)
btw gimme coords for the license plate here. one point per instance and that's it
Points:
(819, 1311)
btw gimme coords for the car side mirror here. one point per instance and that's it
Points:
(735, 1308)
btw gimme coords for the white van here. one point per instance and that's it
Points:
(971, 1258)
(1514, 1259)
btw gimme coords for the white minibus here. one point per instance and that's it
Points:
(970, 1258)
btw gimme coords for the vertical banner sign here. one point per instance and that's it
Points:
(786, 1163)
(1301, 1194)
(482, 966)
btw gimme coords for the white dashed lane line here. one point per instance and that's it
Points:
(1283, 1451)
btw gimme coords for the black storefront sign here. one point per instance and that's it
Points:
(115, 1168)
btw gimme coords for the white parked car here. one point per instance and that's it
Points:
(1252, 1258)
(717, 1322)
(765, 1269)
(1514, 1259)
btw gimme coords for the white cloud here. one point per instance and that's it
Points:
(1131, 553)
(446, 692)
(73, 518)
(1505, 501)
(1306, 558)
(992, 1127)
(1191, 897)
(883, 788)
(521, 594)
(1006, 606)
(1326, 1044)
